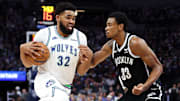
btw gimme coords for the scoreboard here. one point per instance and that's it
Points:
(45, 15)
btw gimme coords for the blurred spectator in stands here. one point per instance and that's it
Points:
(173, 92)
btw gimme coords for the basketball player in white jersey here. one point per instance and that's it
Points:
(54, 78)
(133, 59)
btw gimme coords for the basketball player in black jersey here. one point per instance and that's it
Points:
(133, 59)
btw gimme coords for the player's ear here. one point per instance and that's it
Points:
(121, 26)
(57, 17)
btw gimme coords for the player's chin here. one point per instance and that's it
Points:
(108, 36)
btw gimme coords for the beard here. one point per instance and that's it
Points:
(64, 29)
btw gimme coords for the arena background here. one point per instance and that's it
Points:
(157, 21)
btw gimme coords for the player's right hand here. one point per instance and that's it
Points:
(85, 53)
(31, 49)
(139, 89)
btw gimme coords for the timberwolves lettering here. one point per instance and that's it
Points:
(124, 60)
(64, 48)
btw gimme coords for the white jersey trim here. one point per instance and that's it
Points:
(77, 34)
(155, 98)
(113, 51)
(160, 95)
(119, 49)
(116, 45)
(135, 56)
(49, 36)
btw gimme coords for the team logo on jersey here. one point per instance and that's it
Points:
(50, 83)
(124, 60)
(125, 51)
(64, 48)
(73, 40)
(53, 38)
(114, 51)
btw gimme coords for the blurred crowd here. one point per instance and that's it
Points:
(159, 27)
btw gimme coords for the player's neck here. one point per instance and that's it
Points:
(121, 38)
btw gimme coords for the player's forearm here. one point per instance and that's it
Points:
(83, 67)
(102, 54)
(94, 62)
(97, 58)
(154, 75)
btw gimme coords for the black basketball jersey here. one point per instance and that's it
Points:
(131, 69)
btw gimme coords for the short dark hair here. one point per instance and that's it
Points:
(62, 6)
(120, 18)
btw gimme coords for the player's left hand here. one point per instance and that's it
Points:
(85, 53)
(139, 89)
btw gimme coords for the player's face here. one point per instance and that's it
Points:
(66, 21)
(111, 28)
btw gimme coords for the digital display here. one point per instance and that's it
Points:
(48, 13)
(12, 76)
(45, 16)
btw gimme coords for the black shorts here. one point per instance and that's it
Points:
(153, 94)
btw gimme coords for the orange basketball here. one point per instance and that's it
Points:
(44, 55)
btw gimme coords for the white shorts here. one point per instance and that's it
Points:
(49, 89)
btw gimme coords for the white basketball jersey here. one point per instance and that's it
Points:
(64, 53)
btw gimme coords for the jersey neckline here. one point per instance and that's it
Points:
(55, 27)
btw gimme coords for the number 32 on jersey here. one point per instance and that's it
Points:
(63, 61)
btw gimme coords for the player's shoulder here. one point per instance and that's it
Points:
(80, 33)
(47, 28)
(44, 32)
(109, 43)
(81, 36)
(136, 41)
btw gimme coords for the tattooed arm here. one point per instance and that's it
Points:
(102, 54)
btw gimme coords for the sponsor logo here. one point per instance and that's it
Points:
(50, 83)
(53, 38)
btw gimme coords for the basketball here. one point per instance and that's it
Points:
(44, 55)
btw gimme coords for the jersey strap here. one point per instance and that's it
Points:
(48, 36)
(77, 33)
